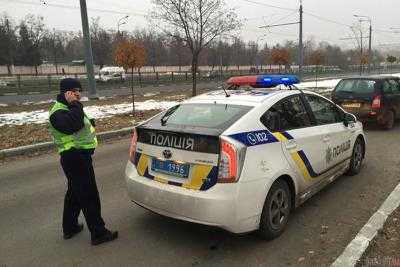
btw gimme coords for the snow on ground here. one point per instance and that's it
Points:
(320, 84)
(28, 103)
(3, 105)
(151, 94)
(41, 116)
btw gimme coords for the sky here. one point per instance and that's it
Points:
(324, 20)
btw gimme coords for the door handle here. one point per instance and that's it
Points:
(326, 138)
(291, 144)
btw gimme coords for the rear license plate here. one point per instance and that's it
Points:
(170, 167)
(351, 105)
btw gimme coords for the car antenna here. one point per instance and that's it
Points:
(226, 93)
(294, 87)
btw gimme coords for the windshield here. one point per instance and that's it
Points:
(216, 116)
(356, 86)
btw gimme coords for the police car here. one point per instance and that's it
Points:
(242, 159)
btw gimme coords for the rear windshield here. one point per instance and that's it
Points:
(356, 86)
(214, 116)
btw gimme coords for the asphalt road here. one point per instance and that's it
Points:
(31, 200)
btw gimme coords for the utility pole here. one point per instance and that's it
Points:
(300, 49)
(361, 20)
(301, 41)
(361, 50)
(370, 48)
(88, 52)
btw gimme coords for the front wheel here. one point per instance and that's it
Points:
(276, 210)
(357, 158)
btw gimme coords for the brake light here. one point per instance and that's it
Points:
(228, 163)
(132, 148)
(376, 102)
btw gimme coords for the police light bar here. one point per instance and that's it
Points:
(263, 81)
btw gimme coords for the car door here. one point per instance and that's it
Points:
(391, 89)
(302, 142)
(337, 136)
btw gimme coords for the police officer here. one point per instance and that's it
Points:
(74, 136)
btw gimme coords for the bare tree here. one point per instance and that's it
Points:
(198, 21)
(8, 42)
(101, 43)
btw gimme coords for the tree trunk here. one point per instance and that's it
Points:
(133, 96)
(9, 70)
(194, 75)
(36, 70)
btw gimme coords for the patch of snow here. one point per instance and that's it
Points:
(320, 84)
(3, 105)
(96, 112)
(151, 94)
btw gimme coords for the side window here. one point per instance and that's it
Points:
(287, 114)
(397, 90)
(324, 111)
(387, 87)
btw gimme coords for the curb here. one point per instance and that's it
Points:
(356, 248)
(22, 150)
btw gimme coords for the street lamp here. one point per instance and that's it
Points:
(121, 23)
(361, 19)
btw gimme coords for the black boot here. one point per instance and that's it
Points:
(78, 229)
(104, 237)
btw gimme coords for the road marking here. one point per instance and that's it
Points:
(356, 248)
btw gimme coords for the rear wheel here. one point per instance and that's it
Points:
(389, 120)
(356, 158)
(276, 210)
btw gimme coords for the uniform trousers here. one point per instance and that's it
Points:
(82, 194)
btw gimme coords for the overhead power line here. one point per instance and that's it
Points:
(327, 19)
(77, 8)
(268, 5)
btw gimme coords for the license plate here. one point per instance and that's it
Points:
(352, 105)
(170, 167)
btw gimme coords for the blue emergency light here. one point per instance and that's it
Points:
(267, 81)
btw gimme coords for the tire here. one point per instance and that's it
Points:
(357, 158)
(390, 120)
(274, 219)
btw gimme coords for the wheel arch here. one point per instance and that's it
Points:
(362, 138)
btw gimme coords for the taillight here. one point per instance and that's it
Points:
(132, 148)
(230, 162)
(376, 102)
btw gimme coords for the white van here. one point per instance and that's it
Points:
(107, 74)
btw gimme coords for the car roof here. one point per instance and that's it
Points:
(372, 77)
(253, 97)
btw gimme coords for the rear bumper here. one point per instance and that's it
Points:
(221, 205)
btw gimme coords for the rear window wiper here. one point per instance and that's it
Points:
(167, 114)
(345, 91)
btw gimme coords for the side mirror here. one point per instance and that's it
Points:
(349, 118)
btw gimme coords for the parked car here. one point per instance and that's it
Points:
(108, 74)
(371, 99)
(240, 159)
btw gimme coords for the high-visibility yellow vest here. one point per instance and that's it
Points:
(85, 138)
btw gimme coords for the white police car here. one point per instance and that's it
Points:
(242, 159)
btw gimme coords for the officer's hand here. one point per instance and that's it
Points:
(70, 96)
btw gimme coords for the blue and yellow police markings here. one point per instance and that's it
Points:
(262, 137)
(299, 157)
